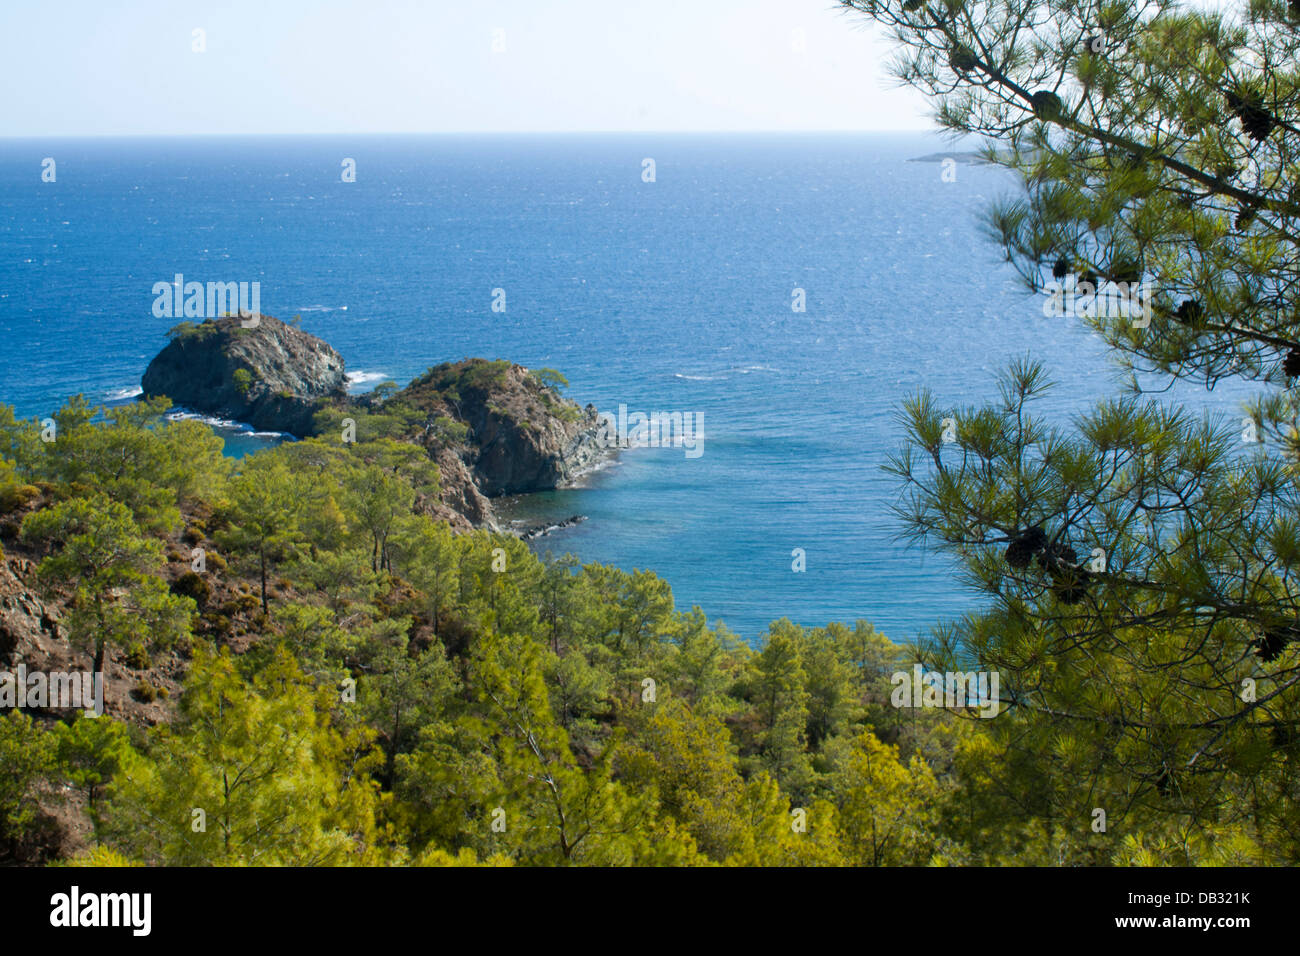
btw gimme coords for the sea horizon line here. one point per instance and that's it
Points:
(43, 137)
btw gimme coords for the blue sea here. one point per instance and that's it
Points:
(671, 295)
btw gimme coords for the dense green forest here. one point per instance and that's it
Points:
(359, 684)
(403, 695)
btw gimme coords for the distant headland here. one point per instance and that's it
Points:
(969, 158)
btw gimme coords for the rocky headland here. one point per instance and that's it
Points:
(494, 428)
(967, 157)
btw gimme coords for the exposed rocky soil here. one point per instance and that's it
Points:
(139, 689)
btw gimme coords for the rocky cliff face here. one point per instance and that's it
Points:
(254, 369)
(520, 436)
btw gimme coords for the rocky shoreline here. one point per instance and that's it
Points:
(529, 532)
(494, 429)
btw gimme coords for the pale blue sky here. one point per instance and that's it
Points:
(95, 67)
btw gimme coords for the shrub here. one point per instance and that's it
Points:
(550, 378)
(218, 624)
(189, 331)
(13, 497)
(137, 658)
(448, 431)
(195, 586)
(241, 604)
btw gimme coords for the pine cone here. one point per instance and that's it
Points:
(1291, 364)
(1025, 546)
(1189, 312)
(1057, 555)
(1249, 108)
(962, 59)
(1047, 105)
(1270, 646)
(1069, 580)
(1062, 266)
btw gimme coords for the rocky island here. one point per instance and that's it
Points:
(254, 369)
(494, 428)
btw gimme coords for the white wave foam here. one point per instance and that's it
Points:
(183, 416)
(224, 424)
(357, 379)
(124, 394)
(722, 375)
